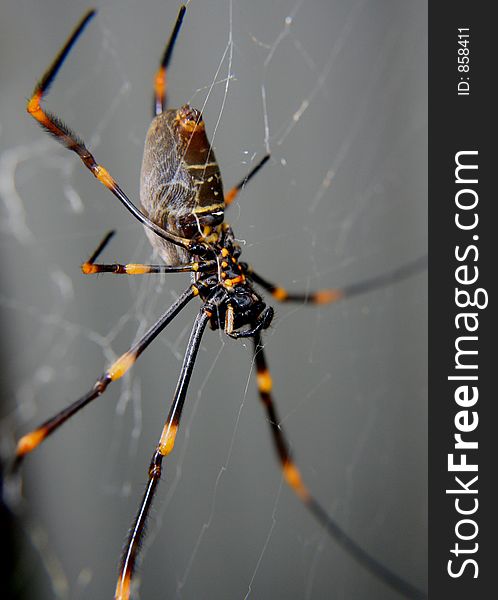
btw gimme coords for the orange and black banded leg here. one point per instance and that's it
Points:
(140, 269)
(160, 84)
(292, 477)
(233, 193)
(33, 439)
(164, 447)
(89, 267)
(67, 138)
(329, 296)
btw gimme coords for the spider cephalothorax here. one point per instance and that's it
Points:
(237, 304)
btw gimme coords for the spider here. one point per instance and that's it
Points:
(182, 211)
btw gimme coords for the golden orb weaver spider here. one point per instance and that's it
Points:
(209, 249)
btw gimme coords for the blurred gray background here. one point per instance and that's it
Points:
(337, 91)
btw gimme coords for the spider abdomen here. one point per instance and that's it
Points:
(180, 185)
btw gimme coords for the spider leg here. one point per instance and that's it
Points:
(160, 85)
(232, 194)
(89, 267)
(100, 248)
(328, 296)
(69, 139)
(163, 448)
(33, 439)
(293, 478)
(141, 269)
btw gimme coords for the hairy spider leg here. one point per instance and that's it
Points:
(329, 296)
(69, 139)
(163, 448)
(160, 84)
(33, 439)
(292, 477)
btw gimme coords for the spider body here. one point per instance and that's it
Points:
(181, 190)
(183, 207)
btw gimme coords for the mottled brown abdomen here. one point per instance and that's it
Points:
(180, 183)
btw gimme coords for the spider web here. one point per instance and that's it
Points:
(337, 92)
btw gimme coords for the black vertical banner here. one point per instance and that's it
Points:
(463, 249)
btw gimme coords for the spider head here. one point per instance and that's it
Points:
(247, 305)
(242, 307)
